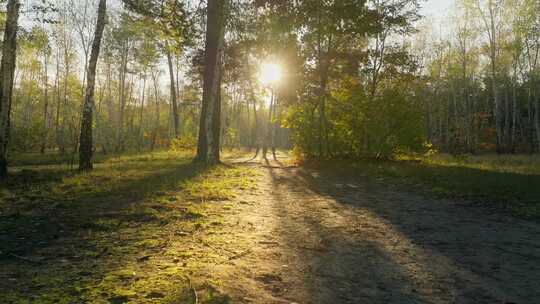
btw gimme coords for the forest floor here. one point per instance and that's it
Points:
(155, 228)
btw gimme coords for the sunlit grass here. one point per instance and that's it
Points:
(220, 183)
(507, 182)
(102, 233)
(523, 164)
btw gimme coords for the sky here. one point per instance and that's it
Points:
(436, 8)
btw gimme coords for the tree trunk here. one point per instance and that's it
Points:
(141, 116)
(208, 147)
(7, 70)
(254, 134)
(537, 121)
(174, 101)
(62, 137)
(269, 133)
(496, 100)
(122, 93)
(515, 111)
(45, 103)
(58, 103)
(85, 149)
(274, 127)
(156, 96)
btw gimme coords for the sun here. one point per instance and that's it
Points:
(270, 73)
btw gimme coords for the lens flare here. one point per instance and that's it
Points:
(270, 73)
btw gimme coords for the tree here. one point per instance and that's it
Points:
(491, 15)
(210, 123)
(85, 151)
(7, 70)
(174, 100)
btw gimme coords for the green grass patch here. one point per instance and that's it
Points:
(508, 182)
(101, 237)
(220, 183)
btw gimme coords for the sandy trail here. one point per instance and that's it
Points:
(308, 237)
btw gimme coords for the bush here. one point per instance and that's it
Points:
(360, 125)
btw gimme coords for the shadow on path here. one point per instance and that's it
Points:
(357, 240)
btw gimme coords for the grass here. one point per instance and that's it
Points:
(111, 235)
(519, 164)
(509, 183)
(220, 183)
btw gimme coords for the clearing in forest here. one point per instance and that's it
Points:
(155, 228)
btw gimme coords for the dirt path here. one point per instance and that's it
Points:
(300, 236)
(305, 237)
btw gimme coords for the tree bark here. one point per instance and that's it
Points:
(274, 127)
(174, 100)
(45, 101)
(7, 70)
(269, 127)
(141, 116)
(85, 149)
(122, 95)
(208, 146)
(156, 97)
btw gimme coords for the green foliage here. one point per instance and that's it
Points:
(185, 143)
(363, 126)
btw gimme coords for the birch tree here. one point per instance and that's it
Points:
(7, 70)
(85, 151)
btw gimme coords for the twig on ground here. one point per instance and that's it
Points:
(268, 243)
(279, 167)
(239, 255)
(216, 249)
(194, 291)
(24, 258)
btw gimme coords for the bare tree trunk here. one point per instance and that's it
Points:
(156, 127)
(130, 112)
(141, 116)
(45, 102)
(122, 93)
(274, 128)
(537, 122)
(255, 139)
(208, 147)
(514, 114)
(85, 150)
(58, 103)
(64, 105)
(496, 100)
(507, 124)
(268, 135)
(174, 101)
(254, 135)
(110, 110)
(7, 70)
(99, 122)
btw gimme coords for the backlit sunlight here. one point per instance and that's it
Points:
(270, 73)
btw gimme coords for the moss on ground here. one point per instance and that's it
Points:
(118, 234)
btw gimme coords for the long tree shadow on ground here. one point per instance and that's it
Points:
(65, 236)
(424, 250)
(333, 266)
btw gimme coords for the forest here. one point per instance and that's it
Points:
(269, 151)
